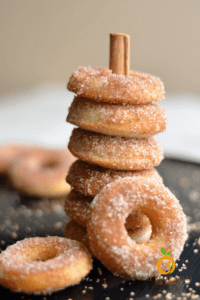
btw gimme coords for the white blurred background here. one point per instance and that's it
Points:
(43, 42)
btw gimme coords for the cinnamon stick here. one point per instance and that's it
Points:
(120, 53)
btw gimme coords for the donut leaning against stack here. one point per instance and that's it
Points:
(117, 119)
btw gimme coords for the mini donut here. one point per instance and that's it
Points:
(89, 179)
(77, 232)
(41, 172)
(116, 152)
(77, 207)
(112, 245)
(44, 265)
(99, 84)
(130, 121)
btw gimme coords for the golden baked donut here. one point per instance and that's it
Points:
(74, 231)
(89, 179)
(131, 121)
(48, 206)
(43, 265)
(99, 84)
(112, 245)
(116, 152)
(77, 207)
(41, 172)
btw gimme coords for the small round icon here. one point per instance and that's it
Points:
(168, 261)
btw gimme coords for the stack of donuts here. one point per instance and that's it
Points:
(117, 153)
(114, 139)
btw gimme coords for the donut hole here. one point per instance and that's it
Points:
(42, 254)
(50, 164)
(45, 256)
(138, 227)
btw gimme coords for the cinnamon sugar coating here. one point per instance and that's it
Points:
(99, 84)
(115, 152)
(77, 207)
(89, 179)
(41, 172)
(74, 231)
(131, 121)
(108, 237)
(44, 265)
